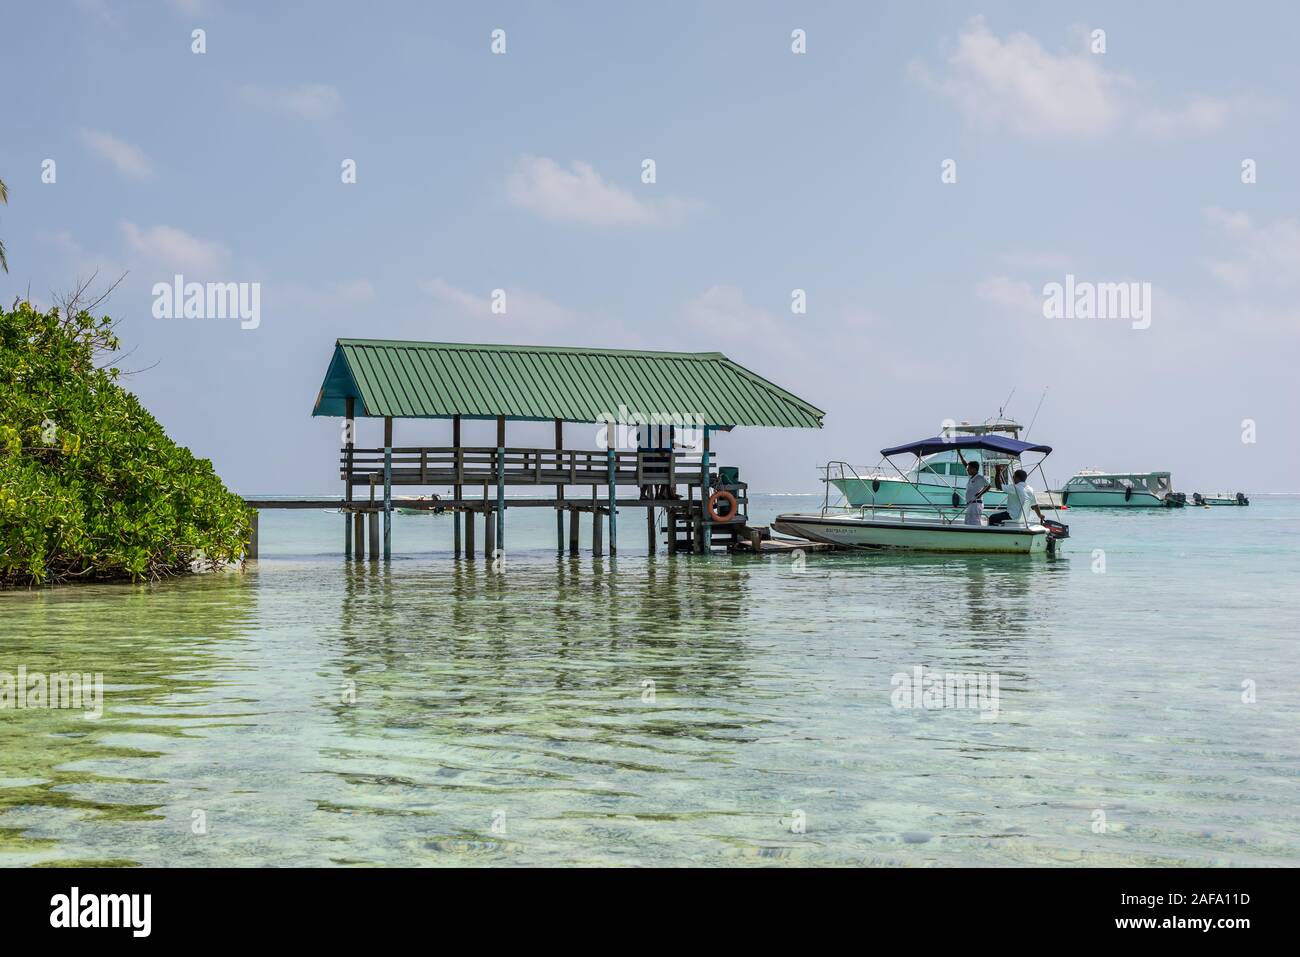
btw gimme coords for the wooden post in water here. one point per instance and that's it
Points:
(388, 487)
(455, 490)
(349, 436)
(613, 508)
(359, 534)
(573, 530)
(706, 544)
(372, 517)
(469, 535)
(501, 484)
(650, 528)
(597, 546)
(559, 489)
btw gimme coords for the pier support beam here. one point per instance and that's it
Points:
(613, 501)
(559, 489)
(650, 529)
(501, 483)
(573, 530)
(359, 534)
(349, 441)
(455, 493)
(388, 487)
(469, 535)
(489, 534)
(373, 522)
(597, 546)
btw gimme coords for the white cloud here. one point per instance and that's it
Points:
(579, 195)
(526, 311)
(1204, 114)
(171, 248)
(127, 158)
(1016, 84)
(83, 262)
(721, 318)
(309, 100)
(97, 8)
(1014, 295)
(1261, 252)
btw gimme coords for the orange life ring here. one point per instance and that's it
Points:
(713, 506)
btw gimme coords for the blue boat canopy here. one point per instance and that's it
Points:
(945, 443)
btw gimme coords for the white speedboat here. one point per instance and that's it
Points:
(933, 528)
(935, 479)
(1093, 488)
(1220, 498)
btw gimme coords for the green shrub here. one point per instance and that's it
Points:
(91, 488)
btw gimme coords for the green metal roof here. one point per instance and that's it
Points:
(542, 383)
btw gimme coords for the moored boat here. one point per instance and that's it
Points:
(1220, 498)
(930, 527)
(935, 479)
(1093, 488)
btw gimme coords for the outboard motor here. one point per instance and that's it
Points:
(1197, 499)
(1176, 499)
(1056, 532)
(1241, 499)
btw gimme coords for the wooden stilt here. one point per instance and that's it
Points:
(597, 546)
(388, 487)
(359, 535)
(469, 535)
(373, 521)
(650, 529)
(613, 501)
(573, 530)
(489, 534)
(559, 489)
(455, 493)
(349, 442)
(501, 491)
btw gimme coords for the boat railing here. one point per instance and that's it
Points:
(842, 471)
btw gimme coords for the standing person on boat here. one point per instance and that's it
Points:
(976, 486)
(1020, 499)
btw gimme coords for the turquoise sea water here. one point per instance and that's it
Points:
(312, 711)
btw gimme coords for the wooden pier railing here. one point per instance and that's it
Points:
(479, 466)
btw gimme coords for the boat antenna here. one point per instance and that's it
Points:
(1003, 408)
(1036, 411)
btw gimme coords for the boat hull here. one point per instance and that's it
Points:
(921, 535)
(1116, 499)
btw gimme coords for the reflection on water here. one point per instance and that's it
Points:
(655, 710)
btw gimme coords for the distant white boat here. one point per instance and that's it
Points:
(1220, 498)
(1093, 488)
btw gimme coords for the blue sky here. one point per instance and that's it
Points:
(775, 172)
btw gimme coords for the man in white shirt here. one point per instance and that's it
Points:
(1020, 499)
(976, 486)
